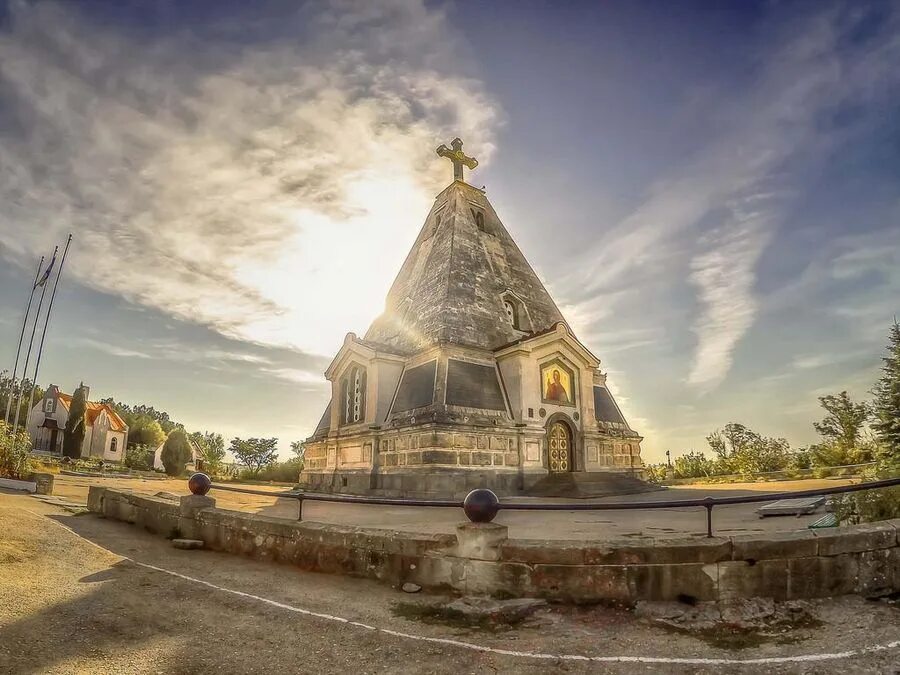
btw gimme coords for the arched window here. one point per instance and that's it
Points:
(515, 311)
(353, 395)
(113, 443)
(511, 313)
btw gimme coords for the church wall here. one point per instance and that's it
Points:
(445, 447)
(314, 458)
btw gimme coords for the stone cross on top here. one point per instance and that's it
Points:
(456, 155)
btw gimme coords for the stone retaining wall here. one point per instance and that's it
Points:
(480, 559)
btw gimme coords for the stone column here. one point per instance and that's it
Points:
(43, 483)
(480, 541)
(190, 506)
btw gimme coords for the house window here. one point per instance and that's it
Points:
(48, 405)
(112, 444)
(479, 219)
(353, 395)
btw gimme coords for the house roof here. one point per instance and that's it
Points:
(93, 410)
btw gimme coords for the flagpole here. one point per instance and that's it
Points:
(15, 382)
(37, 363)
(30, 345)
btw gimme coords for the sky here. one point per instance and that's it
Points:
(710, 191)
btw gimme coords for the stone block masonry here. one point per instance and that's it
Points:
(480, 559)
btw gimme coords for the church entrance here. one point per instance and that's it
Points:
(559, 442)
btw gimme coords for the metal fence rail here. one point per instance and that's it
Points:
(482, 505)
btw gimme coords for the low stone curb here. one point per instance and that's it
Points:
(481, 560)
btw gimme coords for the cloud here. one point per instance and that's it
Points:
(245, 186)
(111, 349)
(704, 226)
(723, 273)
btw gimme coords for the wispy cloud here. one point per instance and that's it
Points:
(111, 349)
(723, 271)
(706, 226)
(218, 182)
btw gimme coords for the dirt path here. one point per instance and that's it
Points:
(90, 601)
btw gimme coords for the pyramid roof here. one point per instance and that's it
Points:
(453, 285)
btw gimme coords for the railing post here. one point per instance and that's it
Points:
(709, 507)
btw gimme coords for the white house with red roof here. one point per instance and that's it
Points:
(105, 432)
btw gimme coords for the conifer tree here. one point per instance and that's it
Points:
(73, 436)
(176, 452)
(887, 402)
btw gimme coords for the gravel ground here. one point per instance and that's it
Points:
(87, 604)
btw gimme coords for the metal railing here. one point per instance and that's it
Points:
(483, 505)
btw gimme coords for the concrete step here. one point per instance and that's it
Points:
(582, 485)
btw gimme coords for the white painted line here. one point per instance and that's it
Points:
(803, 658)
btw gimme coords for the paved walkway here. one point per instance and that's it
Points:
(660, 523)
(79, 594)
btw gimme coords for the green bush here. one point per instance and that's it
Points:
(869, 506)
(139, 457)
(14, 450)
(279, 472)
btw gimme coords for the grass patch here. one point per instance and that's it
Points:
(441, 615)
(730, 637)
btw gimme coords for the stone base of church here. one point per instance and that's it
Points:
(449, 483)
(425, 483)
(441, 460)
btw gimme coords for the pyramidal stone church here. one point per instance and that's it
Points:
(470, 378)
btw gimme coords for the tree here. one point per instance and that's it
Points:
(255, 453)
(845, 419)
(742, 450)
(143, 430)
(131, 413)
(298, 448)
(212, 449)
(73, 437)
(8, 389)
(886, 407)
(176, 452)
(14, 452)
(842, 430)
(693, 465)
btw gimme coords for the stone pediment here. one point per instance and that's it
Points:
(560, 336)
(363, 350)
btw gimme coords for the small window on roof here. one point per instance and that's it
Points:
(515, 311)
(479, 219)
(511, 313)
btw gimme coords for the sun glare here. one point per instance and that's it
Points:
(334, 273)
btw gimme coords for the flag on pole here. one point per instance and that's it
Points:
(46, 274)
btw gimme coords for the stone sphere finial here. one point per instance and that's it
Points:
(481, 505)
(199, 484)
